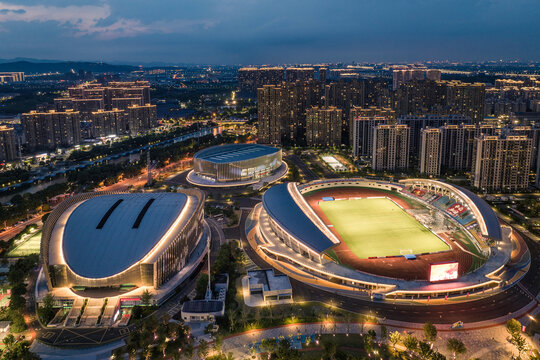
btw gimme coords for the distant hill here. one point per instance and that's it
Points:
(32, 67)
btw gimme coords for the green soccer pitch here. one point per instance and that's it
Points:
(378, 227)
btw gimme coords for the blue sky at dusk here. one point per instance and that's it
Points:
(261, 31)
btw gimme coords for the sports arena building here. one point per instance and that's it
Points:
(236, 165)
(113, 243)
(418, 238)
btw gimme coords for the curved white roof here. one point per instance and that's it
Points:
(105, 235)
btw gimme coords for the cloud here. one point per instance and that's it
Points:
(90, 20)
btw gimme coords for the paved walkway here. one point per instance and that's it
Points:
(487, 343)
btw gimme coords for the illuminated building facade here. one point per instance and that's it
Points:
(52, 129)
(97, 240)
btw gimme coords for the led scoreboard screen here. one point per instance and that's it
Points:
(444, 271)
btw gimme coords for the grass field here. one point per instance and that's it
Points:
(378, 227)
(28, 247)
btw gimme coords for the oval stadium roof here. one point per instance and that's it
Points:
(234, 152)
(107, 234)
(280, 205)
(490, 218)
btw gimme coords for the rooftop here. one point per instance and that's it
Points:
(107, 234)
(490, 218)
(202, 306)
(269, 280)
(279, 204)
(235, 152)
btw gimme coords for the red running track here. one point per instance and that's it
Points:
(395, 267)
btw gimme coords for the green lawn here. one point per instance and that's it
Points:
(29, 247)
(378, 227)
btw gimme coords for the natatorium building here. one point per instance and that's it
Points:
(236, 164)
(114, 240)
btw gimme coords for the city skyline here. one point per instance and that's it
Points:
(239, 32)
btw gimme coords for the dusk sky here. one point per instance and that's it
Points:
(264, 31)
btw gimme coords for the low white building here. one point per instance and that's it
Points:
(202, 310)
(275, 289)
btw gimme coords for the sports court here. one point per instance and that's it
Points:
(28, 247)
(377, 227)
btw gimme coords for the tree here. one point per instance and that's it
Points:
(118, 353)
(9, 340)
(202, 285)
(437, 356)
(456, 346)
(218, 343)
(513, 326)
(285, 352)
(231, 316)
(519, 342)
(243, 317)
(19, 351)
(330, 349)
(268, 345)
(424, 349)
(17, 321)
(430, 331)
(395, 337)
(384, 333)
(46, 310)
(146, 297)
(203, 349)
(410, 342)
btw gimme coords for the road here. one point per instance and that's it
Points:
(512, 299)
(307, 173)
(86, 163)
(14, 230)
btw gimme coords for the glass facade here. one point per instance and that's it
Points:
(249, 169)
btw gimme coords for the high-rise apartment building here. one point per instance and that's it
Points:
(377, 93)
(532, 132)
(362, 130)
(141, 118)
(323, 126)
(430, 151)
(118, 95)
(358, 111)
(8, 145)
(404, 75)
(502, 162)
(6, 77)
(52, 129)
(282, 111)
(390, 147)
(251, 78)
(345, 94)
(465, 99)
(103, 101)
(293, 74)
(458, 145)
(420, 97)
(109, 122)
(322, 75)
(271, 109)
(417, 123)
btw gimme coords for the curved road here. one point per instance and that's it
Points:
(501, 304)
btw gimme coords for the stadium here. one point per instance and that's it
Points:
(417, 238)
(112, 244)
(237, 165)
